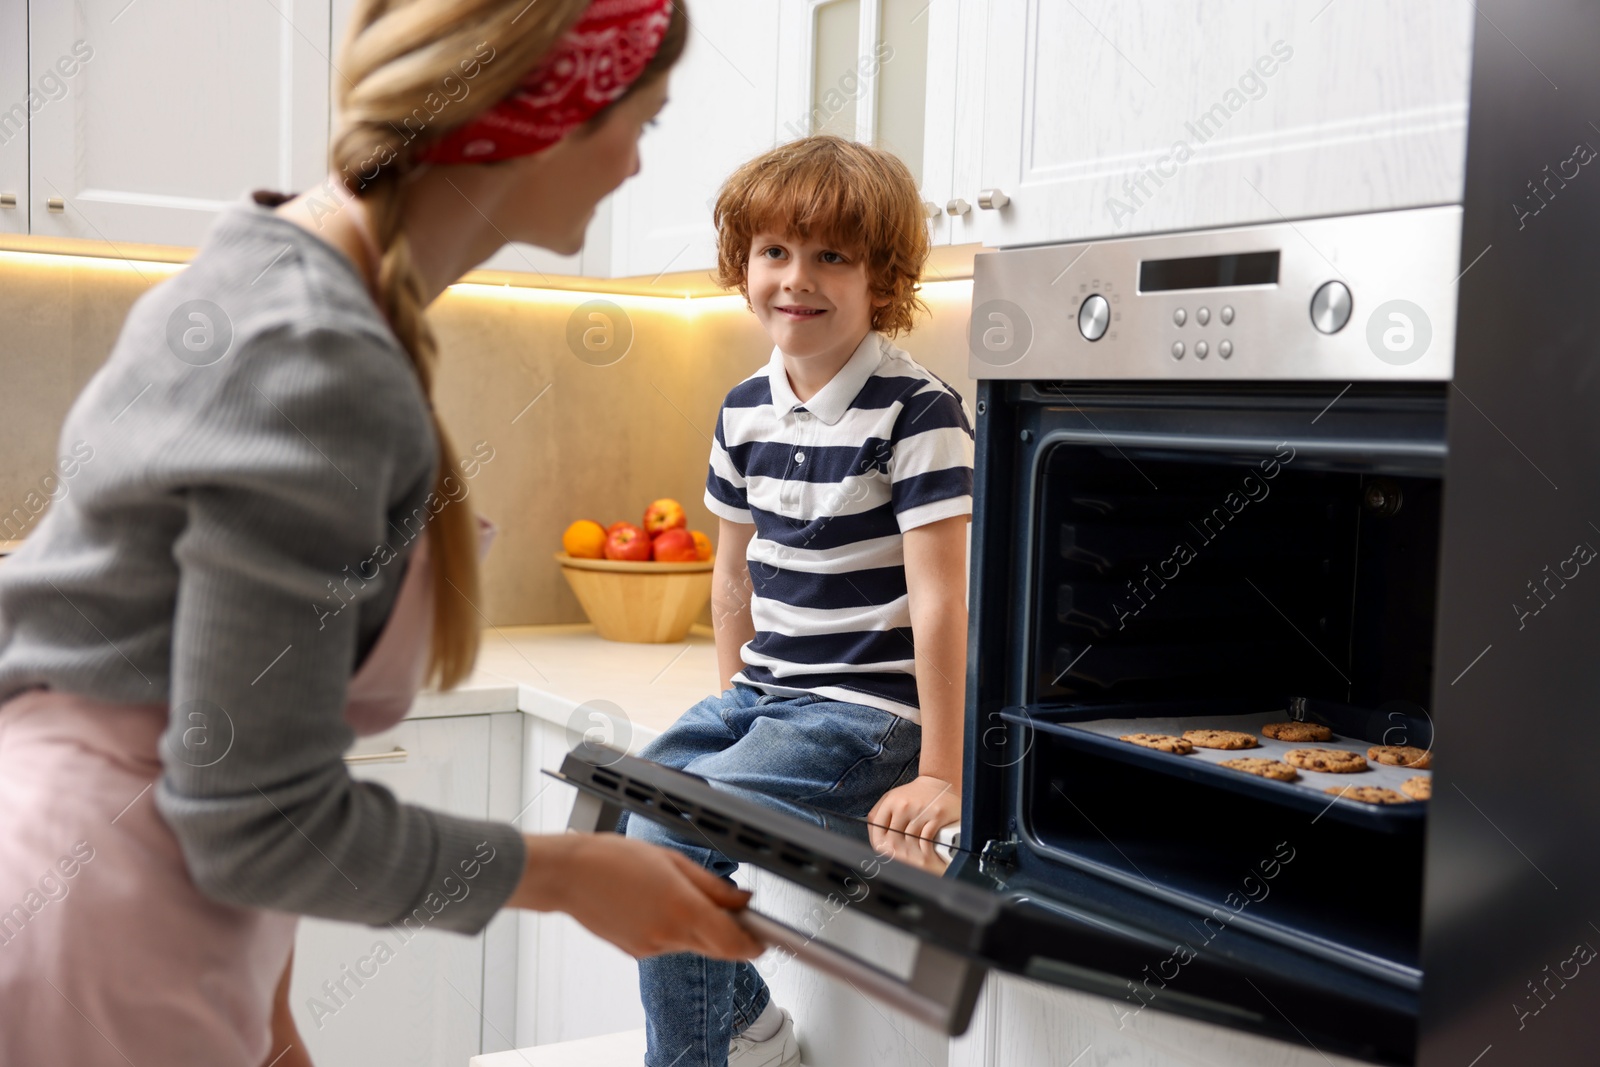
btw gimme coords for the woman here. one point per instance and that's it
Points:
(268, 544)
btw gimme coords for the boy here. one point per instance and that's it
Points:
(842, 477)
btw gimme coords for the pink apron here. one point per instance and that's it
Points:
(109, 954)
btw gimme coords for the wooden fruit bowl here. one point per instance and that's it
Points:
(641, 603)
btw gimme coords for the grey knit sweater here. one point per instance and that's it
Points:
(240, 461)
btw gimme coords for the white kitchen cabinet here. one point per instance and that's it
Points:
(175, 109)
(720, 112)
(1102, 119)
(948, 92)
(14, 106)
(570, 983)
(410, 995)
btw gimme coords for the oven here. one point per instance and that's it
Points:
(1322, 471)
(1210, 497)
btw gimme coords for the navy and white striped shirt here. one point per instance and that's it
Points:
(831, 485)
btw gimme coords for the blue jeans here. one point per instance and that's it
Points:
(827, 754)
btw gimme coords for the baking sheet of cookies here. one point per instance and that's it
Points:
(1378, 774)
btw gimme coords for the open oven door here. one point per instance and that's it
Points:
(971, 913)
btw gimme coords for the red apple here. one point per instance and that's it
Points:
(674, 546)
(663, 515)
(627, 541)
(614, 527)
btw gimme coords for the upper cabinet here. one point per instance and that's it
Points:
(14, 104)
(1104, 119)
(1022, 121)
(720, 112)
(172, 109)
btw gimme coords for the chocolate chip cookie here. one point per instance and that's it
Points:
(1418, 788)
(1325, 760)
(1297, 731)
(1401, 756)
(1368, 794)
(1177, 746)
(1262, 768)
(1227, 739)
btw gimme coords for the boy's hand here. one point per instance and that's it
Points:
(922, 807)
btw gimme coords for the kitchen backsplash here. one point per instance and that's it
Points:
(572, 437)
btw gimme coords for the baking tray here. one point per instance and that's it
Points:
(1098, 727)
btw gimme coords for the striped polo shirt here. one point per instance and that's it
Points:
(831, 484)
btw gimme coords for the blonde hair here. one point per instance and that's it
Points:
(401, 67)
(861, 199)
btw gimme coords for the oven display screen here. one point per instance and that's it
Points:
(1208, 272)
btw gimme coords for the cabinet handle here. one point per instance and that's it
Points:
(930, 209)
(8, 199)
(992, 200)
(395, 755)
(55, 203)
(957, 206)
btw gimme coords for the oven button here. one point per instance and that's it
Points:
(1227, 316)
(1179, 317)
(1202, 316)
(1094, 315)
(1201, 350)
(1224, 349)
(1177, 350)
(1330, 308)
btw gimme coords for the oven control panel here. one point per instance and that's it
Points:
(1349, 298)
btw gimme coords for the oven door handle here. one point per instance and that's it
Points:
(941, 992)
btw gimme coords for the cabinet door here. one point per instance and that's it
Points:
(175, 108)
(571, 984)
(940, 101)
(1107, 119)
(719, 114)
(419, 998)
(14, 105)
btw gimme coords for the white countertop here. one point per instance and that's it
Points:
(554, 671)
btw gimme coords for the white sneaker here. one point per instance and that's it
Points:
(782, 1049)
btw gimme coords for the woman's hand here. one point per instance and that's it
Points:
(922, 807)
(644, 899)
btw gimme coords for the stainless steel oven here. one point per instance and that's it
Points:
(1304, 471)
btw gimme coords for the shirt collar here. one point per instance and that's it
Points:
(833, 399)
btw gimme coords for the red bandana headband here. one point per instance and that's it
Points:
(588, 69)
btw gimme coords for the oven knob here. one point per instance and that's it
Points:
(1094, 315)
(1330, 308)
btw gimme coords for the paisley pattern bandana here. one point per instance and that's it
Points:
(589, 68)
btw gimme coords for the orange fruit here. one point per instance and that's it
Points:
(702, 545)
(585, 539)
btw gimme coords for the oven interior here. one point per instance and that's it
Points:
(1190, 579)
